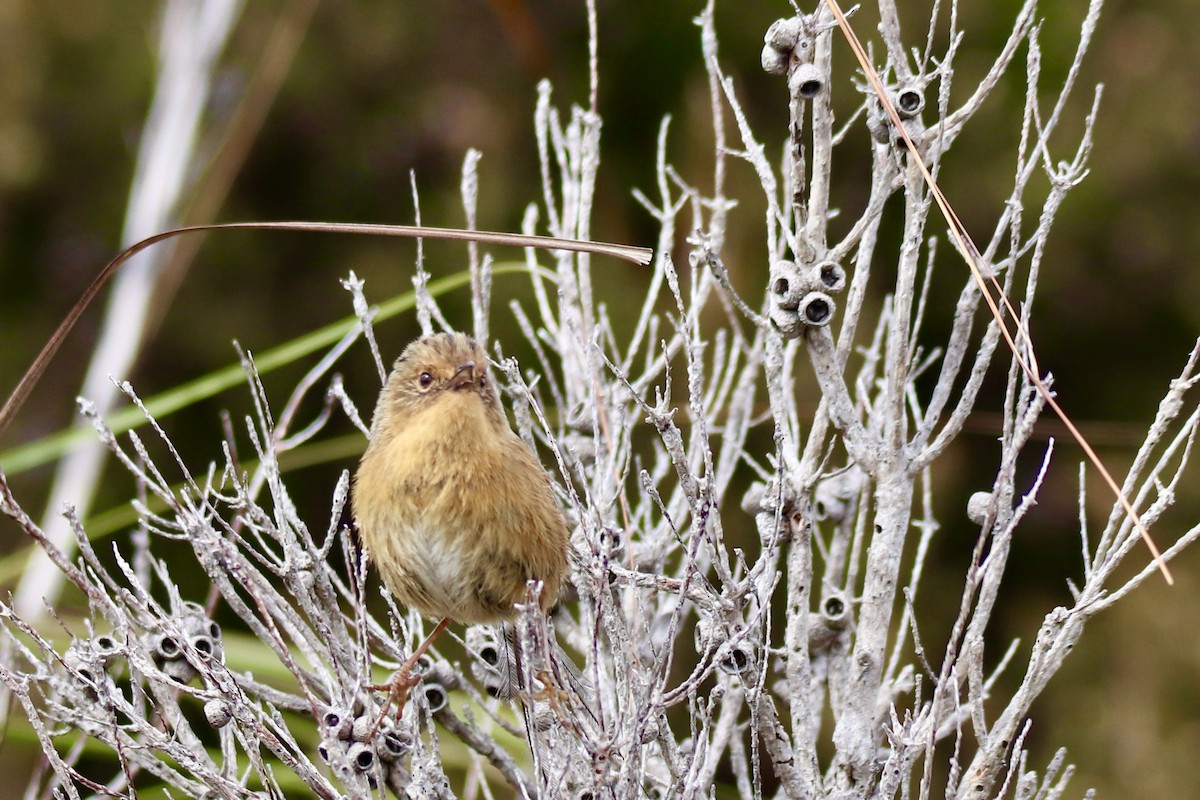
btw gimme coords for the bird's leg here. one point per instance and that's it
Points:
(404, 680)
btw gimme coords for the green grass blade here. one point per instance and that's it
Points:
(53, 446)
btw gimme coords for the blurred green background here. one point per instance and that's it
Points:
(379, 89)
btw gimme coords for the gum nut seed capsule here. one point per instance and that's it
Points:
(806, 81)
(190, 608)
(915, 131)
(909, 100)
(612, 538)
(827, 507)
(977, 507)
(166, 647)
(338, 724)
(495, 687)
(76, 656)
(879, 126)
(501, 683)
(106, 646)
(485, 643)
(774, 62)
(816, 309)
(180, 670)
(436, 696)
(392, 745)
(362, 726)
(203, 645)
(787, 322)
(831, 276)
(736, 661)
(784, 33)
(583, 446)
(87, 676)
(820, 634)
(830, 501)
(787, 285)
(835, 610)
(361, 756)
(218, 713)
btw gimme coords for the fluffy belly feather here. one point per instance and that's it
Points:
(461, 546)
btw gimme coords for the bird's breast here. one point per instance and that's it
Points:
(457, 513)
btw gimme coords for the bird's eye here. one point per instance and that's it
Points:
(482, 382)
(426, 380)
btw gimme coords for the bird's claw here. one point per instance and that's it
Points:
(397, 689)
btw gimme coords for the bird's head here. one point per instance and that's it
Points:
(433, 367)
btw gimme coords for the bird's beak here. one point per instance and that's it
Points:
(463, 376)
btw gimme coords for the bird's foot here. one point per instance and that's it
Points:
(397, 689)
(557, 699)
(548, 691)
(405, 679)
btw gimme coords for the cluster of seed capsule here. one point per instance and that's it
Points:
(908, 98)
(93, 664)
(201, 640)
(788, 49)
(802, 295)
(177, 654)
(360, 746)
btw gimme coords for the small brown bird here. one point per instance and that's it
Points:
(454, 509)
